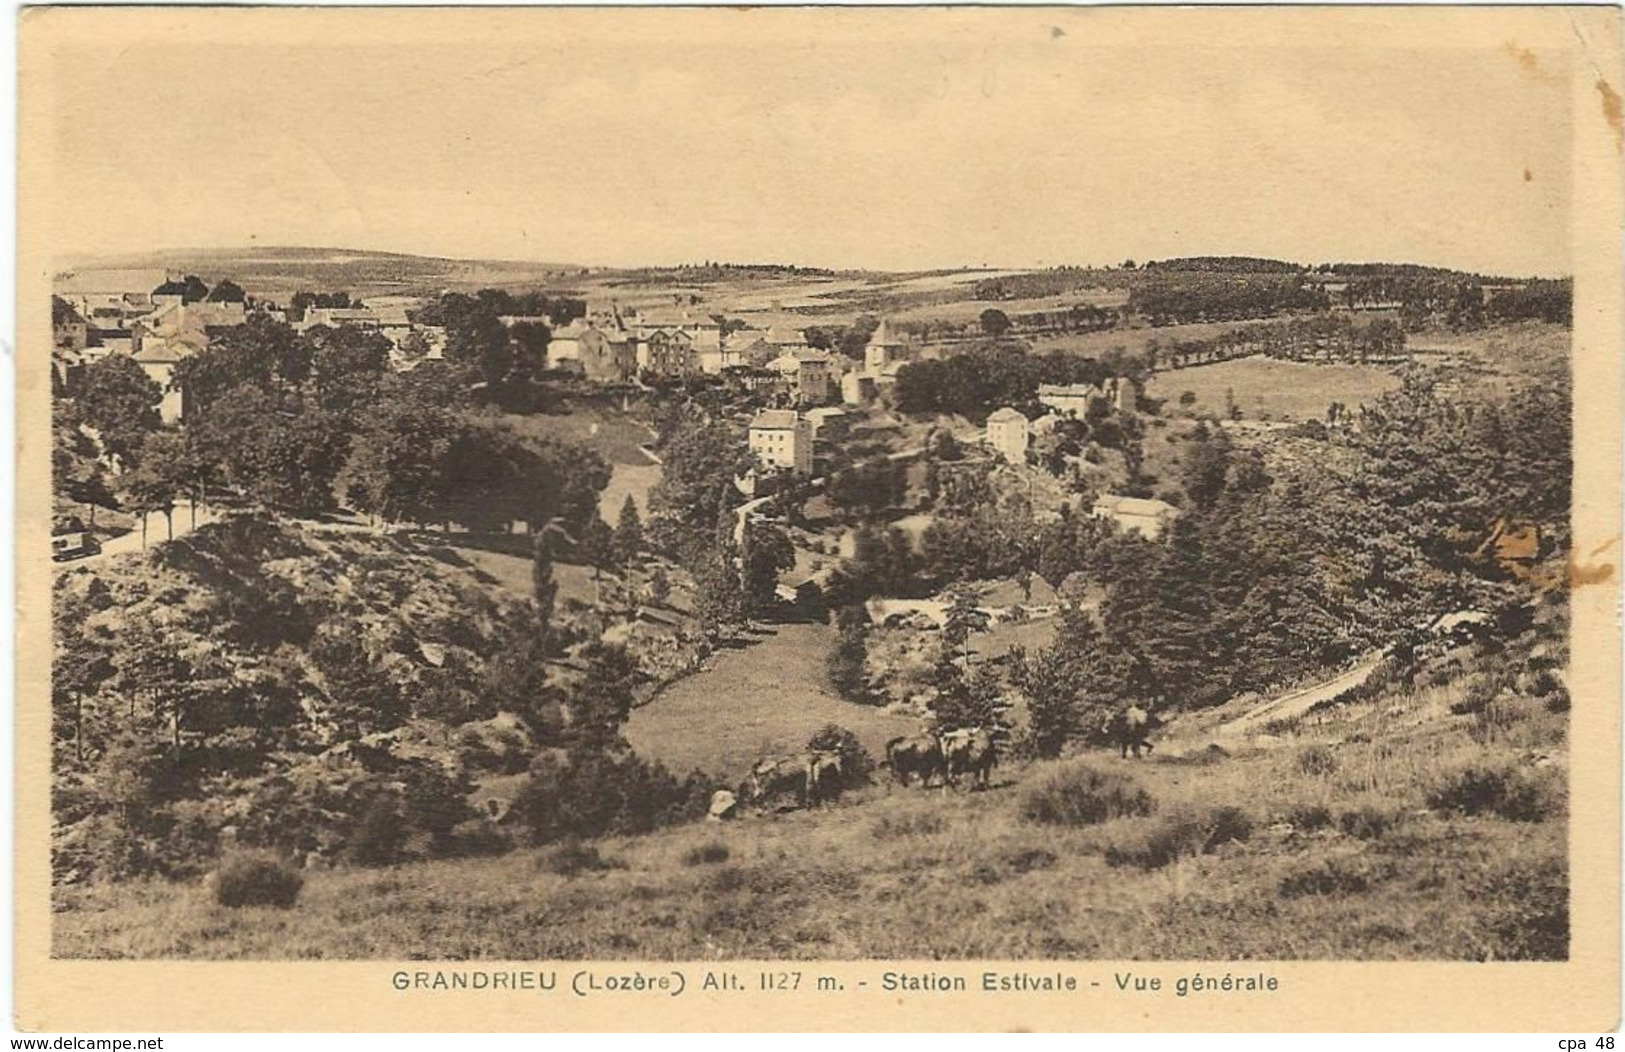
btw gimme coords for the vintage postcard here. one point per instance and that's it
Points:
(813, 518)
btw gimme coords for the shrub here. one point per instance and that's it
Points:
(1367, 822)
(1028, 859)
(1081, 795)
(592, 792)
(256, 879)
(1317, 761)
(706, 854)
(1185, 833)
(380, 835)
(1333, 876)
(1308, 818)
(1498, 789)
(573, 858)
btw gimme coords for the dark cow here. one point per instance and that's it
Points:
(920, 755)
(970, 751)
(780, 777)
(1131, 728)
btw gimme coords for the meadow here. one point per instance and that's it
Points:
(1268, 388)
(764, 696)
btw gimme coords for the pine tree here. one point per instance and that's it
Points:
(628, 542)
(845, 666)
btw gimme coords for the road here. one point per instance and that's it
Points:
(157, 532)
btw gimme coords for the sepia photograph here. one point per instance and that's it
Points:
(923, 486)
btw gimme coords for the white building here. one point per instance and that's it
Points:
(781, 438)
(1007, 434)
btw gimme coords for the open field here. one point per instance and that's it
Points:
(758, 700)
(1266, 388)
(602, 428)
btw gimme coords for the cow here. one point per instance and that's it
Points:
(969, 750)
(1130, 728)
(920, 754)
(790, 776)
(826, 776)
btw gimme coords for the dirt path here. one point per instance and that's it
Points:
(1300, 701)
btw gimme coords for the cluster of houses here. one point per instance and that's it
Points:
(611, 345)
(180, 317)
(1009, 432)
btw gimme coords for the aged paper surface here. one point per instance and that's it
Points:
(379, 718)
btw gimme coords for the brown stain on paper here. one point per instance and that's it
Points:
(1611, 111)
(1582, 574)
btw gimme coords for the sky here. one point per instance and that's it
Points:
(1024, 138)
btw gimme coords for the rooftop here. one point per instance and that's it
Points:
(774, 420)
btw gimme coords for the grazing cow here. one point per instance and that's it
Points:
(783, 776)
(970, 751)
(920, 754)
(825, 777)
(1131, 728)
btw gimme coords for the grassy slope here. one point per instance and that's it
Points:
(1278, 389)
(895, 873)
(764, 698)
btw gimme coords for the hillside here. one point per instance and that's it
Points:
(269, 681)
(1414, 823)
(280, 271)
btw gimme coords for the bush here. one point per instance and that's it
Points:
(1501, 789)
(1308, 818)
(1367, 822)
(255, 879)
(1081, 795)
(572, 858)
(1185, 833)
(1317, 761)
(706, 854)
(592, 792)
(380, 835)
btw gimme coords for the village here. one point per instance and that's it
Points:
(595, 554)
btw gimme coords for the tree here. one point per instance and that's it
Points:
(995, 322)
(845, 665)
(719, 600)
(152, 485)
(397, 462)
(596, 547)
(765, 553)
(119, 400)
(1068, 685)
(700, 459)
(227, 291)
(544, 590)
(627, 543)
(286, 461)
